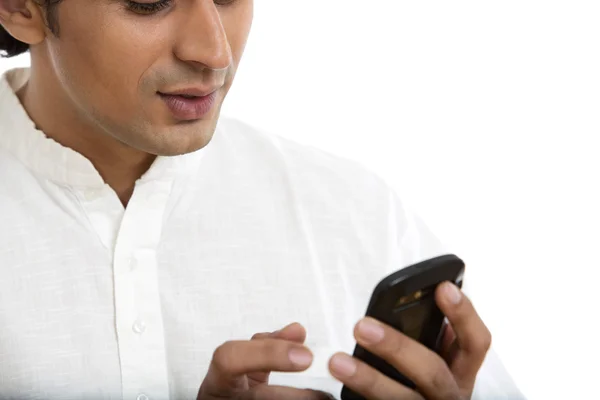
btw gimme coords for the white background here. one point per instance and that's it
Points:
(485, 116)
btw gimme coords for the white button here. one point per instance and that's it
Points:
(139, 326)
(143, 397)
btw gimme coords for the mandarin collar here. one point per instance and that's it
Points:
(20, 137)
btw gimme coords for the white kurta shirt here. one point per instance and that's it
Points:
(246, 235)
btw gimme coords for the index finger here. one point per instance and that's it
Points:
(293, 332)
(232, 360)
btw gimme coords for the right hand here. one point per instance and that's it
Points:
(240, 369)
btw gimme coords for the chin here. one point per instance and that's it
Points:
(177, 141)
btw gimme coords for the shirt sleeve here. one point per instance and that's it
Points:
(415, 242)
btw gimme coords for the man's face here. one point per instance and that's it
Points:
(123, 66)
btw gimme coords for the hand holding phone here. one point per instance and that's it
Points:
(407, 301)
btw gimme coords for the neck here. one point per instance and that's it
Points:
(56, 115)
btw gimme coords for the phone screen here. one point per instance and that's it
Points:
(413, 312)
(413, 318)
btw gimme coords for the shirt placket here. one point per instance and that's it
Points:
(134, 235)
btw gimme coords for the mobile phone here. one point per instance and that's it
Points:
(405, 300)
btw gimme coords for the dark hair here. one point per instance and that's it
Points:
(9, 46)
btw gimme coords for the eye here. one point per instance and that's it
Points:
(148, 8)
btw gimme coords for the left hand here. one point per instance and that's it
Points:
(448, 376)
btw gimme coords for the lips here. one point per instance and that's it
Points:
(189, 104)
(191, 92)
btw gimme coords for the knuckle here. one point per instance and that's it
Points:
(483, 342)
(366, 379)
(489, 339)
(272, 350)
(222, 356)
(442, 381)
(465, 309)
(398, 346)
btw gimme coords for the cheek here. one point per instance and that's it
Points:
(106, 54)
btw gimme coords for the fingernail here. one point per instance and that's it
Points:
(343, 364)
(452, 293)
(370, 330)
(300, 358)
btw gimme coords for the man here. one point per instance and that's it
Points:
(152, 250)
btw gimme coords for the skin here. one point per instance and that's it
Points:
(238, 368)
(94, 89)
(448, 376)
(90, 93)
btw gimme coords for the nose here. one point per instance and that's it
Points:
(201, 38)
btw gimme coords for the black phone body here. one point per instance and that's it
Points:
(405, 300)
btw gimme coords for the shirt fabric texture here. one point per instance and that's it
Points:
(246, 235)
